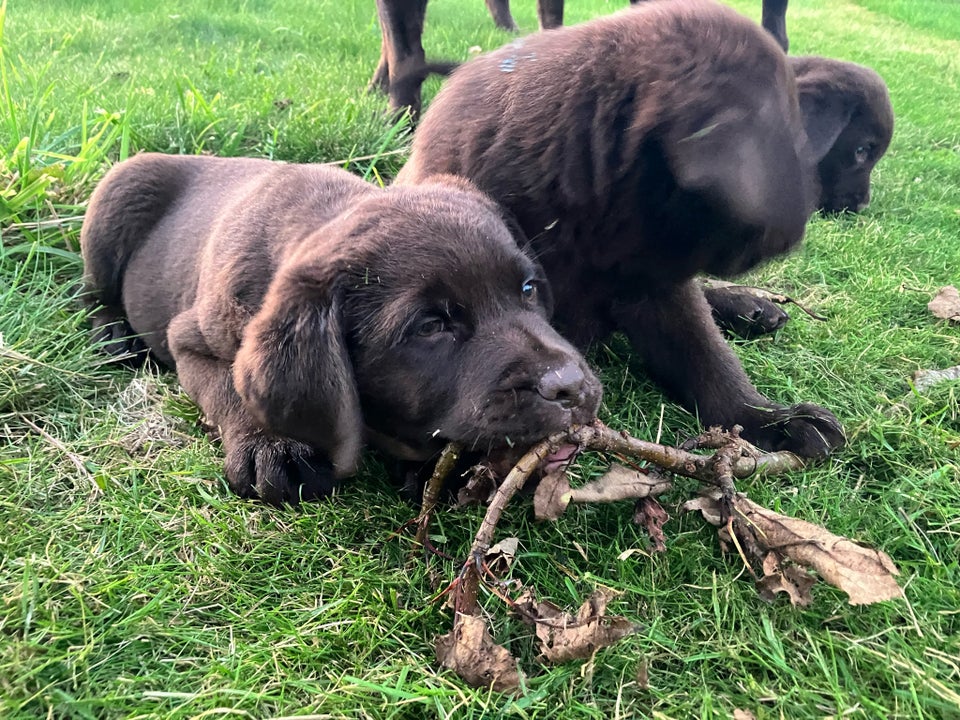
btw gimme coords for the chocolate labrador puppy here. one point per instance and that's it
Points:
(848, 118)
(403, 66)
(305, 311)
(635, 151)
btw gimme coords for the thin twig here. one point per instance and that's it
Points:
(431, 491)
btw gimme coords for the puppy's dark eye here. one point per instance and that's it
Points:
(861, 154)
(529, 290)
(431, 325)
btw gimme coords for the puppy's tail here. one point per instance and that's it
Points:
(124, 208)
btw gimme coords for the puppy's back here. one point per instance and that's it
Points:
(592, 121)
(128, 204)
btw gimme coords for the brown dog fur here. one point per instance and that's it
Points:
(636, 151)
(305, 310)
(403, 67)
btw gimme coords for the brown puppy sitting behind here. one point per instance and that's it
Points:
(306, 310)
(848, 119)
(635, 151)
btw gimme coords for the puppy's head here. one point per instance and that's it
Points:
(413, 319)
(848, 120)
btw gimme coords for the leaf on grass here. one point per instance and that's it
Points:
(946, 304)
(924, 379)
(787, 578)
(564, 636)
(706, 505)
(866, 575)
(740, 714)
(550, 499)
(650, 514)
(500, 557)
(620, 483)
(469, 650)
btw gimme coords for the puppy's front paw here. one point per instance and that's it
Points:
(807, 430)
(743, 313)
(277, 471)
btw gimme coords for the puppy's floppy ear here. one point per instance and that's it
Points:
(292, 370)
(749, 162)
(826, 112)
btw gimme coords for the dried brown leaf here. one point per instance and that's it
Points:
(740, 714)
(925, 379)
(469, 650)
(866, 575)
(650, 514)
(620, 483)
(566, 637)
(706, 505)
(946, 304)
(500, 557)
(550, 499)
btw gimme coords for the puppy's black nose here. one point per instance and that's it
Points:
(563, 385)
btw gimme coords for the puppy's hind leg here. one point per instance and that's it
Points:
(277, 470)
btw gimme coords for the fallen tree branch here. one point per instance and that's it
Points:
(780, 547)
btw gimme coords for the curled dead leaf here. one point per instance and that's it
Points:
(564, 636)
(866, 575)
(650, 514)
(550, 499)
(469, 650)
(500, 557)
(786, 578)
(620, 483)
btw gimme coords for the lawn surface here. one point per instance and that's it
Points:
(132, 584)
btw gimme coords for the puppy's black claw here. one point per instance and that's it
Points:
(744, 314)
(278, 472)
(806, 430)
(114, 336)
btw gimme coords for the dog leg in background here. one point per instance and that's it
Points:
(550, 13)
(774, 20)
(685, 352)
(500, 12)
(257, 465)
(401, 52)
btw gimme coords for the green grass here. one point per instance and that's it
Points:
(132, 584)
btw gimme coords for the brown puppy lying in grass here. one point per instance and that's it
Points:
(305, 311)
(635, 151)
